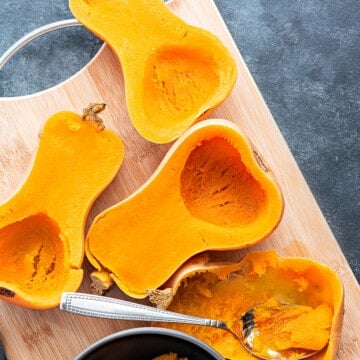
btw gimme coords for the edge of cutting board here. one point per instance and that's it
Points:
(302, 232)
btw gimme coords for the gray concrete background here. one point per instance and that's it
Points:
(304, 56)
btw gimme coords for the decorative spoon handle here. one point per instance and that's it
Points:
(103, 307)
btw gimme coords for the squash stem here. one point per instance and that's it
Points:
(90, 113)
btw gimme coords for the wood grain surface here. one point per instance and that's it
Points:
(52, 334)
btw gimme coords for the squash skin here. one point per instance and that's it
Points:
(175, 74)
(42, 224)
(292, 279)
(162, 224)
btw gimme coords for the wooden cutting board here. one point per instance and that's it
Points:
(52, 334)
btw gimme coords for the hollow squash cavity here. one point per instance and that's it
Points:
(177, 81)
(217, 187)
(33, 255)
(209, 193)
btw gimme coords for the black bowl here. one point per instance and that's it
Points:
(146, 343)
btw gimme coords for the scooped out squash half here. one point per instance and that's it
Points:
(226, 290)
(174, 72)
(209, 193)
(42, 225)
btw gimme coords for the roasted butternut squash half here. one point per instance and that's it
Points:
(305, 299)
(174, 73)
(42, 225)
(209, 193)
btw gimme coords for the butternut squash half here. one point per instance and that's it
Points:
(42, 225)
(226, 290)
(209, 193)
(174, 73)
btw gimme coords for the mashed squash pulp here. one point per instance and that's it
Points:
(225, 292)
(284, 327)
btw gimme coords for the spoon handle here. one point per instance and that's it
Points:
(110, 308)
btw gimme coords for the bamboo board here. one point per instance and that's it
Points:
(52, 334)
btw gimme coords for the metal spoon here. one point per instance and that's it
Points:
(110, 308)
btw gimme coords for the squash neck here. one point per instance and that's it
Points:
(130, 24)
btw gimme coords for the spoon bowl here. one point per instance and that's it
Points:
(244, 329)
(250, 331)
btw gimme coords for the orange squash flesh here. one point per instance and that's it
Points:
(42, 225)
(209, 193)
(174, 72)
(225, 291)
(287, 328)
(169, 356)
